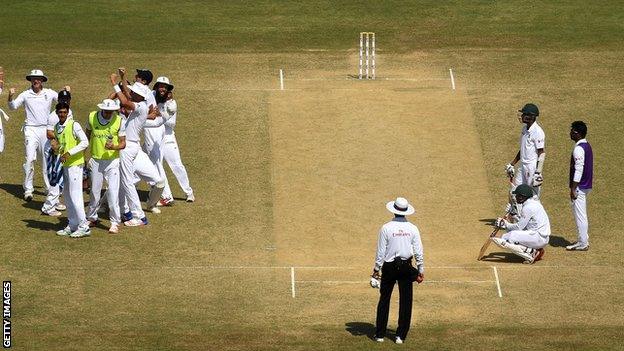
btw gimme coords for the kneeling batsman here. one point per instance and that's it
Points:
(530, 234)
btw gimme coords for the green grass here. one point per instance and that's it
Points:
(146, 288)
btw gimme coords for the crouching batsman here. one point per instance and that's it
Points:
(530, 234)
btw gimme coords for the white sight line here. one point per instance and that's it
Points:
(500, 293)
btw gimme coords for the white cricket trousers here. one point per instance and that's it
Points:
(525, 175)
(134, 160)
(528, 238)
(579, 209)
(72, 191)
(171, 155)
(104, 170)
(36, 142)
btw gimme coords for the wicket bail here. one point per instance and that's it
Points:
(367, 44)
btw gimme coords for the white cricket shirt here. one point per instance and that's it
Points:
(579, 160)
(399, 238)
(37, 105)
(531, 140)
(136, 121)
(532, 217)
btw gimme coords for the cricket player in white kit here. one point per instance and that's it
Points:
(37, 103)
(70, 142)
(527, 237)
(2, 113)
(531, 154)
(138, 114)
(169, 147)
(107, 135)
(581, 178)
(398, 242)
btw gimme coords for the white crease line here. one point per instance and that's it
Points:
(292, 281)
(452, 78)
(281, 75)
(500, 293)
(424, 282)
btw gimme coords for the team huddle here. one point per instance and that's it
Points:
(118, 160)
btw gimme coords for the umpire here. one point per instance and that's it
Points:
(399, 241)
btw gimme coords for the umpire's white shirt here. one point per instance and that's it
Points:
(399, 238)
(533, 217)
(531, 140)
(37, 105)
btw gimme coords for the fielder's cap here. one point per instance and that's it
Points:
(165, 81)
(64, 95)
(36, 73)
(400, 206)
(530, 109)
(140, 89)
(524, 190)
(109, 105)
(145, 74)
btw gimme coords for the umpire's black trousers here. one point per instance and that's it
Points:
(391, 272)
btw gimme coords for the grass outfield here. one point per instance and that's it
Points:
(291, 184)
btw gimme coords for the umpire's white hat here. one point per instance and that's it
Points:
(400, 206)
(109, 105)
(36, 73)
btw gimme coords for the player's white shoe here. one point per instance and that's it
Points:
(114, 228)
(398, 340)
(379, 339)
(577, 247)
(81, 233)
(165, 202)
(60, 207)
(64, 232)
(28, 196)
(190, 198)
(154, 209)
(134, 222)
(52, 213)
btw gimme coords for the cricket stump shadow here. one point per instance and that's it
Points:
(506, 257)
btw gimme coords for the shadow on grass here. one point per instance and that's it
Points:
(17, 191)
(502, 257)
(558, 241)
(361, 329)
(488, 221)
(41, 225)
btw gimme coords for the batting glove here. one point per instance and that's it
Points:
(510, 170)
(501, 223)
(538, 179)
(375, 283)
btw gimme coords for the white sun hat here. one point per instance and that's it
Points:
(400, 206)
(109, 105)
(140, 89)
(163, 80)
(36, 73)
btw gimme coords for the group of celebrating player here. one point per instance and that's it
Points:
(113, 135)
(526, 221)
